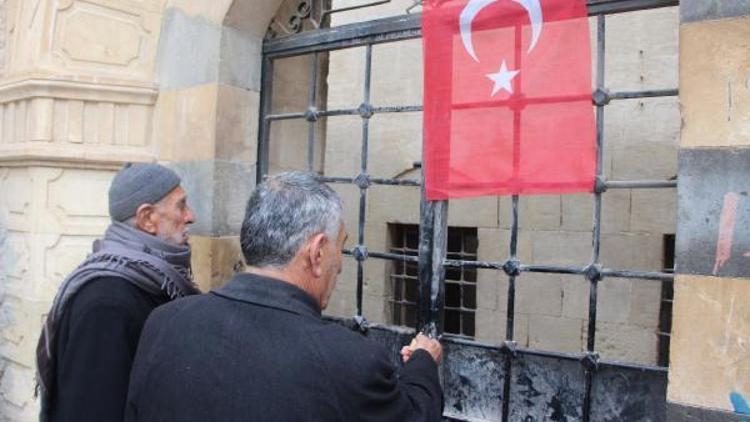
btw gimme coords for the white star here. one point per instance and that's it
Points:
(502, 79)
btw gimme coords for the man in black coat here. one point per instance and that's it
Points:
(91, 333)
(257, 348)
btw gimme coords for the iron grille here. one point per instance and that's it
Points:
(433, 260)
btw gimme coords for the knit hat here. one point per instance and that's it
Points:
(137, 184)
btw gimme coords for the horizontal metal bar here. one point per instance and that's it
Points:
(560, 269)
(406, 27)
(374, 181)
(646, 275)
(385, 255)
(604, 7)
(640, 184)
(625, 95)
(285, 116)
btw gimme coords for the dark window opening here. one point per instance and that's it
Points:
(460, 283)
(667, 295)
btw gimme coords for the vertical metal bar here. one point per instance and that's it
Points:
(426, 232)
(312, 108)
(363, 173)
(264, 125)
(510, 319)
(596, 241)
(511, 306)
(437, 285)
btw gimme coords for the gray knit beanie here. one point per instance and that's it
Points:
(137, 184)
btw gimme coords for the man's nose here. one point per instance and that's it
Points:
(189, 216)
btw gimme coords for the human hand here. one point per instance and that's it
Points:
(421, 341)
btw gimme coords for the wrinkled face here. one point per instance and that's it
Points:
(172, 216)
(332, 265)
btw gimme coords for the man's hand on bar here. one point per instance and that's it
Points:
(421, 341)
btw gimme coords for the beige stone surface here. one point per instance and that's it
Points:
(555, 333)
(710, 350)
(714, 83)
(215, 260)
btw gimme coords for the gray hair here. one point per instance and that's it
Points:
(283, 213)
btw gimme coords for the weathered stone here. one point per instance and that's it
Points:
(539, 294)
(215, 260)
(714, 91)
(700, 10)
(710, 335)
(555, 333)
(624, 342)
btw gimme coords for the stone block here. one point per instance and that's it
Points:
(714, 92)
(542, 212)
(236, 125)
(713, 235)
(251, 16)
(645, 303)
(397, 73)
(395, 143)
(346, 71)
(616, 210)
(490, 326)
(215, 260)
(628, 251)
(394, 204)
(709, 341)
(613, 300)
(185, 123)
(555, 333)
(644, 162)
(642, 50)
(17, 389)
(577, 212)
(626, 343)
(701, 10)
(575, 297)
(474, 212)
(492, 290)
(343, 146)
(189, 51)
(240, 59)
(539, 294)
(654, 210)
(561, 248)
(376, 309)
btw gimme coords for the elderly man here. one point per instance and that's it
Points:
(257, 348)
(88, 342)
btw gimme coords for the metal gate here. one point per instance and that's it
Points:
(483, 381)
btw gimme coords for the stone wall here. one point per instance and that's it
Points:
(88, 85)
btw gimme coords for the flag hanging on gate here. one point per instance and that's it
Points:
(507, 98)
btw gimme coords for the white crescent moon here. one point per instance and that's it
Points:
(472, 9)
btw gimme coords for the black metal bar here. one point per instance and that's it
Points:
(424, 266)
(363, 173)
(264, 125)
(311, 105)
(640, 184)
(593, 277)
(626, 95)
(406, 27)
(437, 284)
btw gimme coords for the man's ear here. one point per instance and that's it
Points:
(144, 219)
(316, 250)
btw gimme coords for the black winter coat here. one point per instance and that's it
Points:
(98, 338)
(258, 350)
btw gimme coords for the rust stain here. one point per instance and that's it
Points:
(726, 230)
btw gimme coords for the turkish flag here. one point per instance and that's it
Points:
(507, 98)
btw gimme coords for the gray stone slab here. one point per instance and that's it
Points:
(706, 178)
(241, 58)
(701, 10)
(189, 50)
(217, 192)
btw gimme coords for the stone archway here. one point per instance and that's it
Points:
(88, 85)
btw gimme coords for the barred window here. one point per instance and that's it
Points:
(460, 283)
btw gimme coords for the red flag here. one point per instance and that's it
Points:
(507, 98)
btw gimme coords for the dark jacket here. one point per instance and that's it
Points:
(258, 350)
(97, 342)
